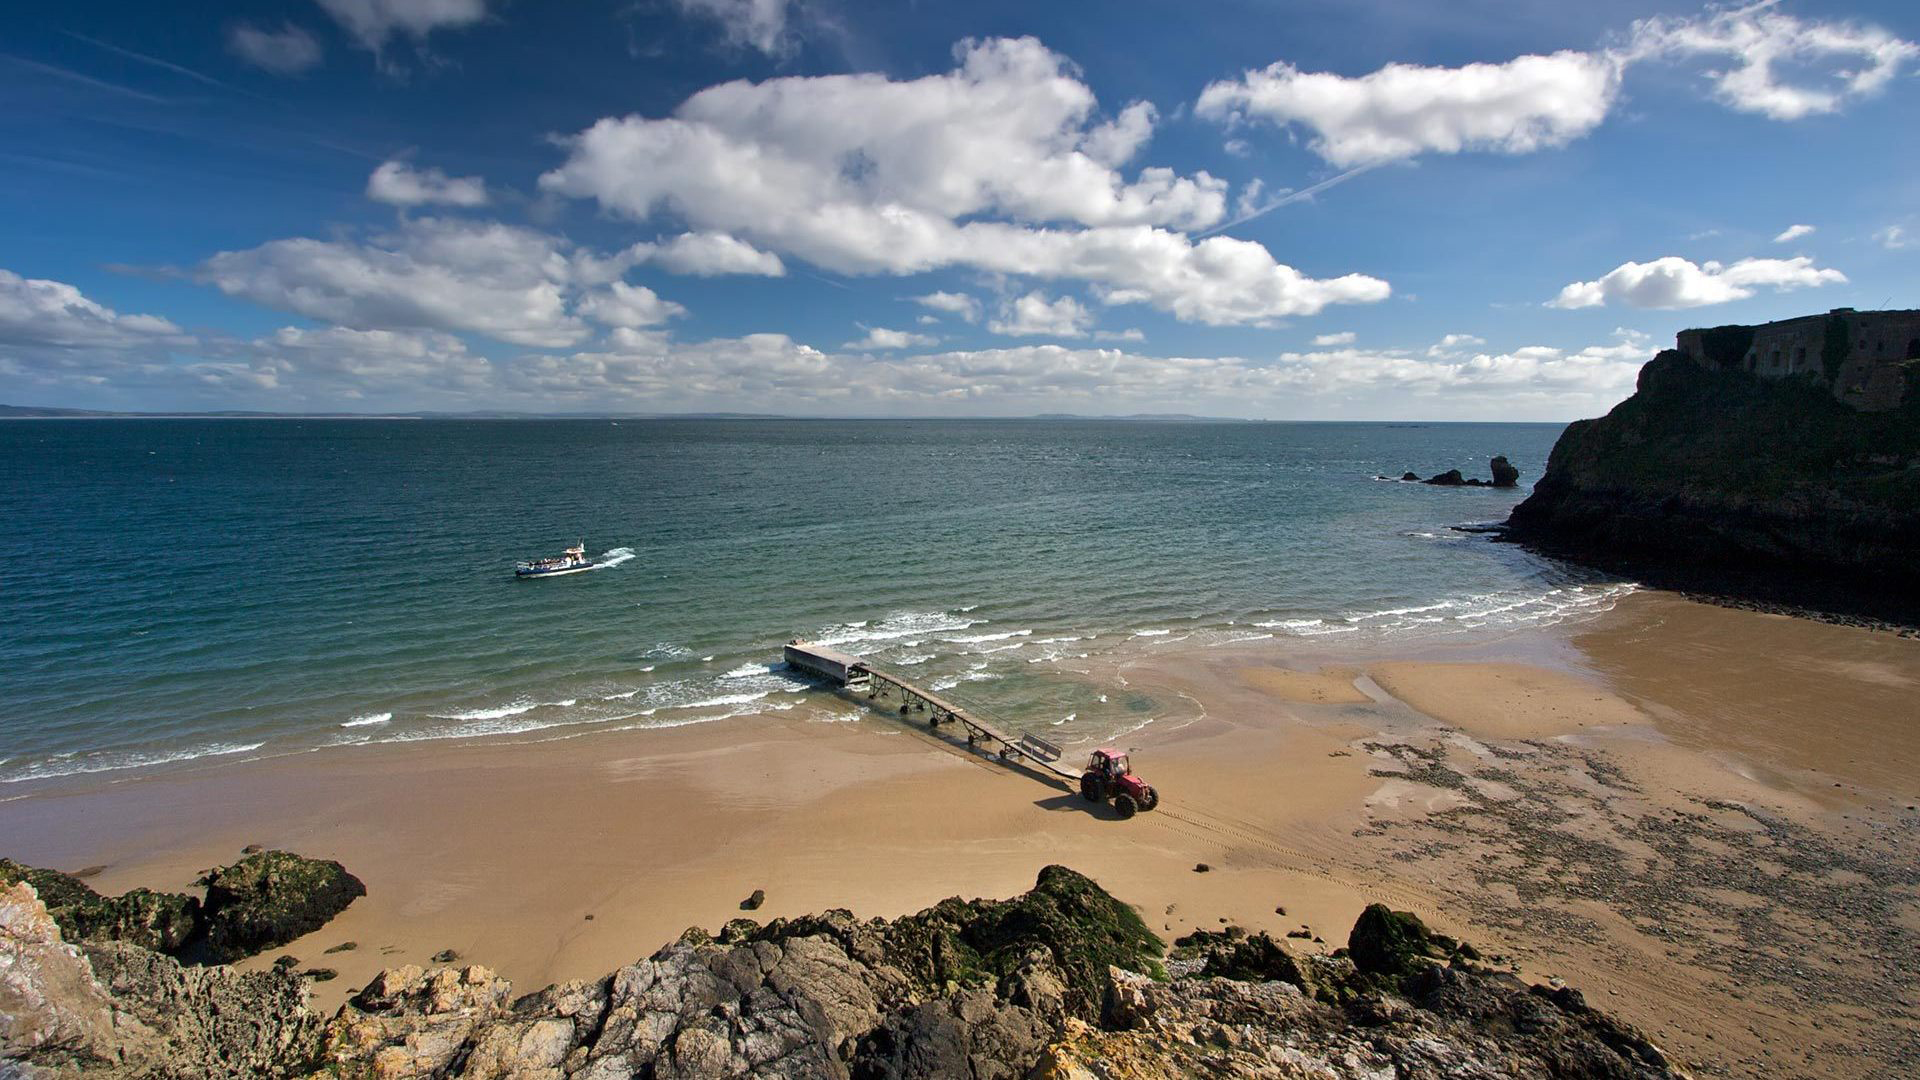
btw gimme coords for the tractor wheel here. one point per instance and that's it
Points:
(1124, 805)
(1149, 798)
(1092, 789)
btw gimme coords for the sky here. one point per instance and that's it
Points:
(1283, 209)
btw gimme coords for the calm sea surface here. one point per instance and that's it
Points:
(175, 589)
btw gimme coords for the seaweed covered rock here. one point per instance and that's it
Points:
(1395, 943)
(151, 920)
(1083, 928)
(1248, 958)
(271, 898)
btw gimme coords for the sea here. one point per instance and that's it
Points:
(179, 590)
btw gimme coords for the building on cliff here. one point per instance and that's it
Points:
(1863, 356)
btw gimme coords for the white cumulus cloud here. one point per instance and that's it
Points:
(710, 254)
(1674, 282)
(289, 50)
(879, 338)
(1002, 165)
(1780, 66)
(1344, 337)
(1793, 232)
(39, 312)
(630, 306)
(401, 184)
(347, 363)
(1034, 315)
(1856, 60)
(1403, 110)
(953, 303)
(511, 283)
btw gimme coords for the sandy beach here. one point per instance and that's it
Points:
(1702, 817)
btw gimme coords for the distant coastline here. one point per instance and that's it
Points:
(41, 412)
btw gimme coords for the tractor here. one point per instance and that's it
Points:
(1108, 776)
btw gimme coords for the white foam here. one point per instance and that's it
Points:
(1390, 612)
(368, 720)
(613, 558)
(501, 712)
(951, 681)
(724, 699)
(748, 671)
(1151, 633)
(59, 765)
(976, 639)
(895, 627)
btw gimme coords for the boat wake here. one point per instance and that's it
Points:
(613, 558)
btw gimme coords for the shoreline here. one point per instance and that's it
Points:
(1305, 780)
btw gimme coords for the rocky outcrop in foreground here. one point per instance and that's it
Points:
(1715, 480)
(1064, 981)
(266, 899)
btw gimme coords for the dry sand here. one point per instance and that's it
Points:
(1654, 821)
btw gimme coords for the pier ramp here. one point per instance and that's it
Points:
(853, 673)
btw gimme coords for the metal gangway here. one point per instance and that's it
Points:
(858, 675)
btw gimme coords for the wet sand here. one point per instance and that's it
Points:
(1646, 807)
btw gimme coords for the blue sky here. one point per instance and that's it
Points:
(1381, 209)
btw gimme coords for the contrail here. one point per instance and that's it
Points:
(1289, 198)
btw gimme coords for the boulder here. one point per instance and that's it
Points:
(269, 899)
(1409, 477)
(1450, 478)
(1504, 474)
(1394, 943)
(151, 920)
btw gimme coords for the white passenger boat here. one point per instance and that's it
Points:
(575, 561)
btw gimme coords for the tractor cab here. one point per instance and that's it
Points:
(1109, 775)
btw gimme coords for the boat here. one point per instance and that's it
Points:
(574, 561)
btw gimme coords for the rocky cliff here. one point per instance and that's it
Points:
(1063, 982)
(1713, 479)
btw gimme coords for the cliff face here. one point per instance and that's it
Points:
(1766, 489)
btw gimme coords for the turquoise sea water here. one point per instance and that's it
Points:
(178, 589)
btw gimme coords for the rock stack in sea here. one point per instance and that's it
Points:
(1063, 981)
(1504, 476)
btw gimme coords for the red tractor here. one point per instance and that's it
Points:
(1108, 776)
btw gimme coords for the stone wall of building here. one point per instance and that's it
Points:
(1875, 345)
